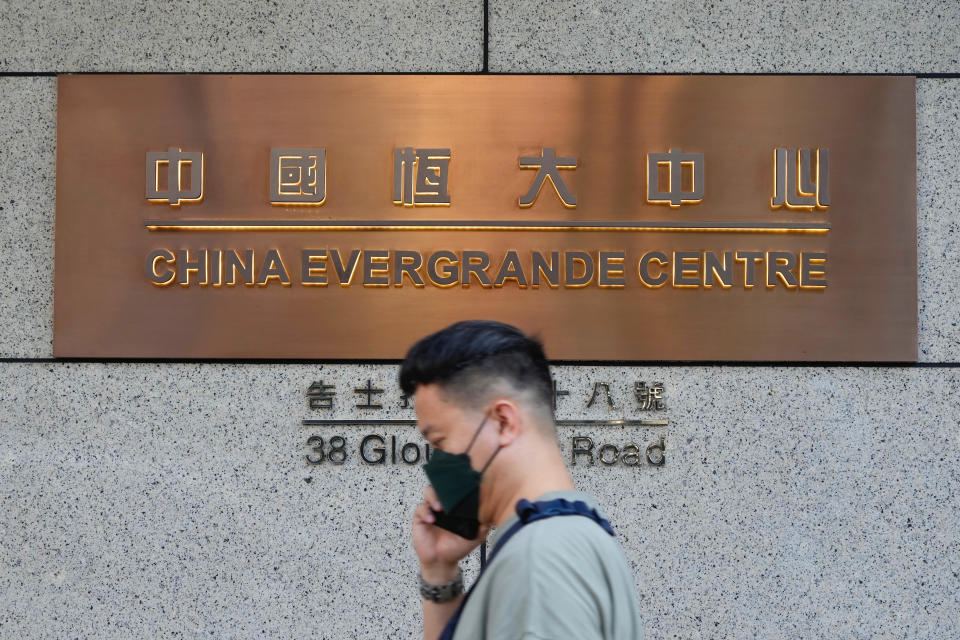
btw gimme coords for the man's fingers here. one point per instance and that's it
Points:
(423, 514)
(431, 497)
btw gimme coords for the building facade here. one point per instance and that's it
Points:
(188, 498)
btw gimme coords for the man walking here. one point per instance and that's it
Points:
(484, 400)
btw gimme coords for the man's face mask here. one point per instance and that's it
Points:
(458, 487)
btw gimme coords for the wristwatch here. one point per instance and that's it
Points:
(442, 592)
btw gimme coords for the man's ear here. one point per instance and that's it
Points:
(507, 415)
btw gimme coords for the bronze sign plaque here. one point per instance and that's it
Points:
(618, 217)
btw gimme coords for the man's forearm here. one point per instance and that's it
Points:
(436, 615)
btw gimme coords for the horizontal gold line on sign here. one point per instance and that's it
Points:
(612, 423)
(482, 225)
(412, 423)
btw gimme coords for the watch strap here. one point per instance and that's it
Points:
(442, 592)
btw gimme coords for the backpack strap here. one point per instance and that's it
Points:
(528, 512)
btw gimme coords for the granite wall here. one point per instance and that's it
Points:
(144, 499)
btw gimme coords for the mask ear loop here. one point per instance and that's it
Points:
(474, 439)
(499, 446)
(477, 432)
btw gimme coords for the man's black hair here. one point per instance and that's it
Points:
(468, 356)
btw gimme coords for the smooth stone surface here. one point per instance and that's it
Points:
(224, 36)
(159, 500)
(27, 134)
(827, 36)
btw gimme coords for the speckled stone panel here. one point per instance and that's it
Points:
(729, 36)
(938, 219)
(224, 36)
(174, 500)
(27, 135)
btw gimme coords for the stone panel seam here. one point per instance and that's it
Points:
(485, 71)
(561, 363)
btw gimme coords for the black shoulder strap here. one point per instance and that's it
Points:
(528, 512)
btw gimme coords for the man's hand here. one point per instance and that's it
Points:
(439, 550)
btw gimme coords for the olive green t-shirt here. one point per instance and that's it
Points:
(559, 578)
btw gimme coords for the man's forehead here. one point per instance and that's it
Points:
(431, 395)
(436, 411)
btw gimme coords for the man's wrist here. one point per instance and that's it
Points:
(439, 573)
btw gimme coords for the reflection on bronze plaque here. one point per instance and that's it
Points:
(619, 217)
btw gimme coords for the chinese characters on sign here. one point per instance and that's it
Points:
(298, 176)
(648, 396)
(547, 165)
(675, 162)
(801, 180)
(173, 159)
(420, 177)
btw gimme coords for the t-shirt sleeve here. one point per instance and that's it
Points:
(549, 585)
